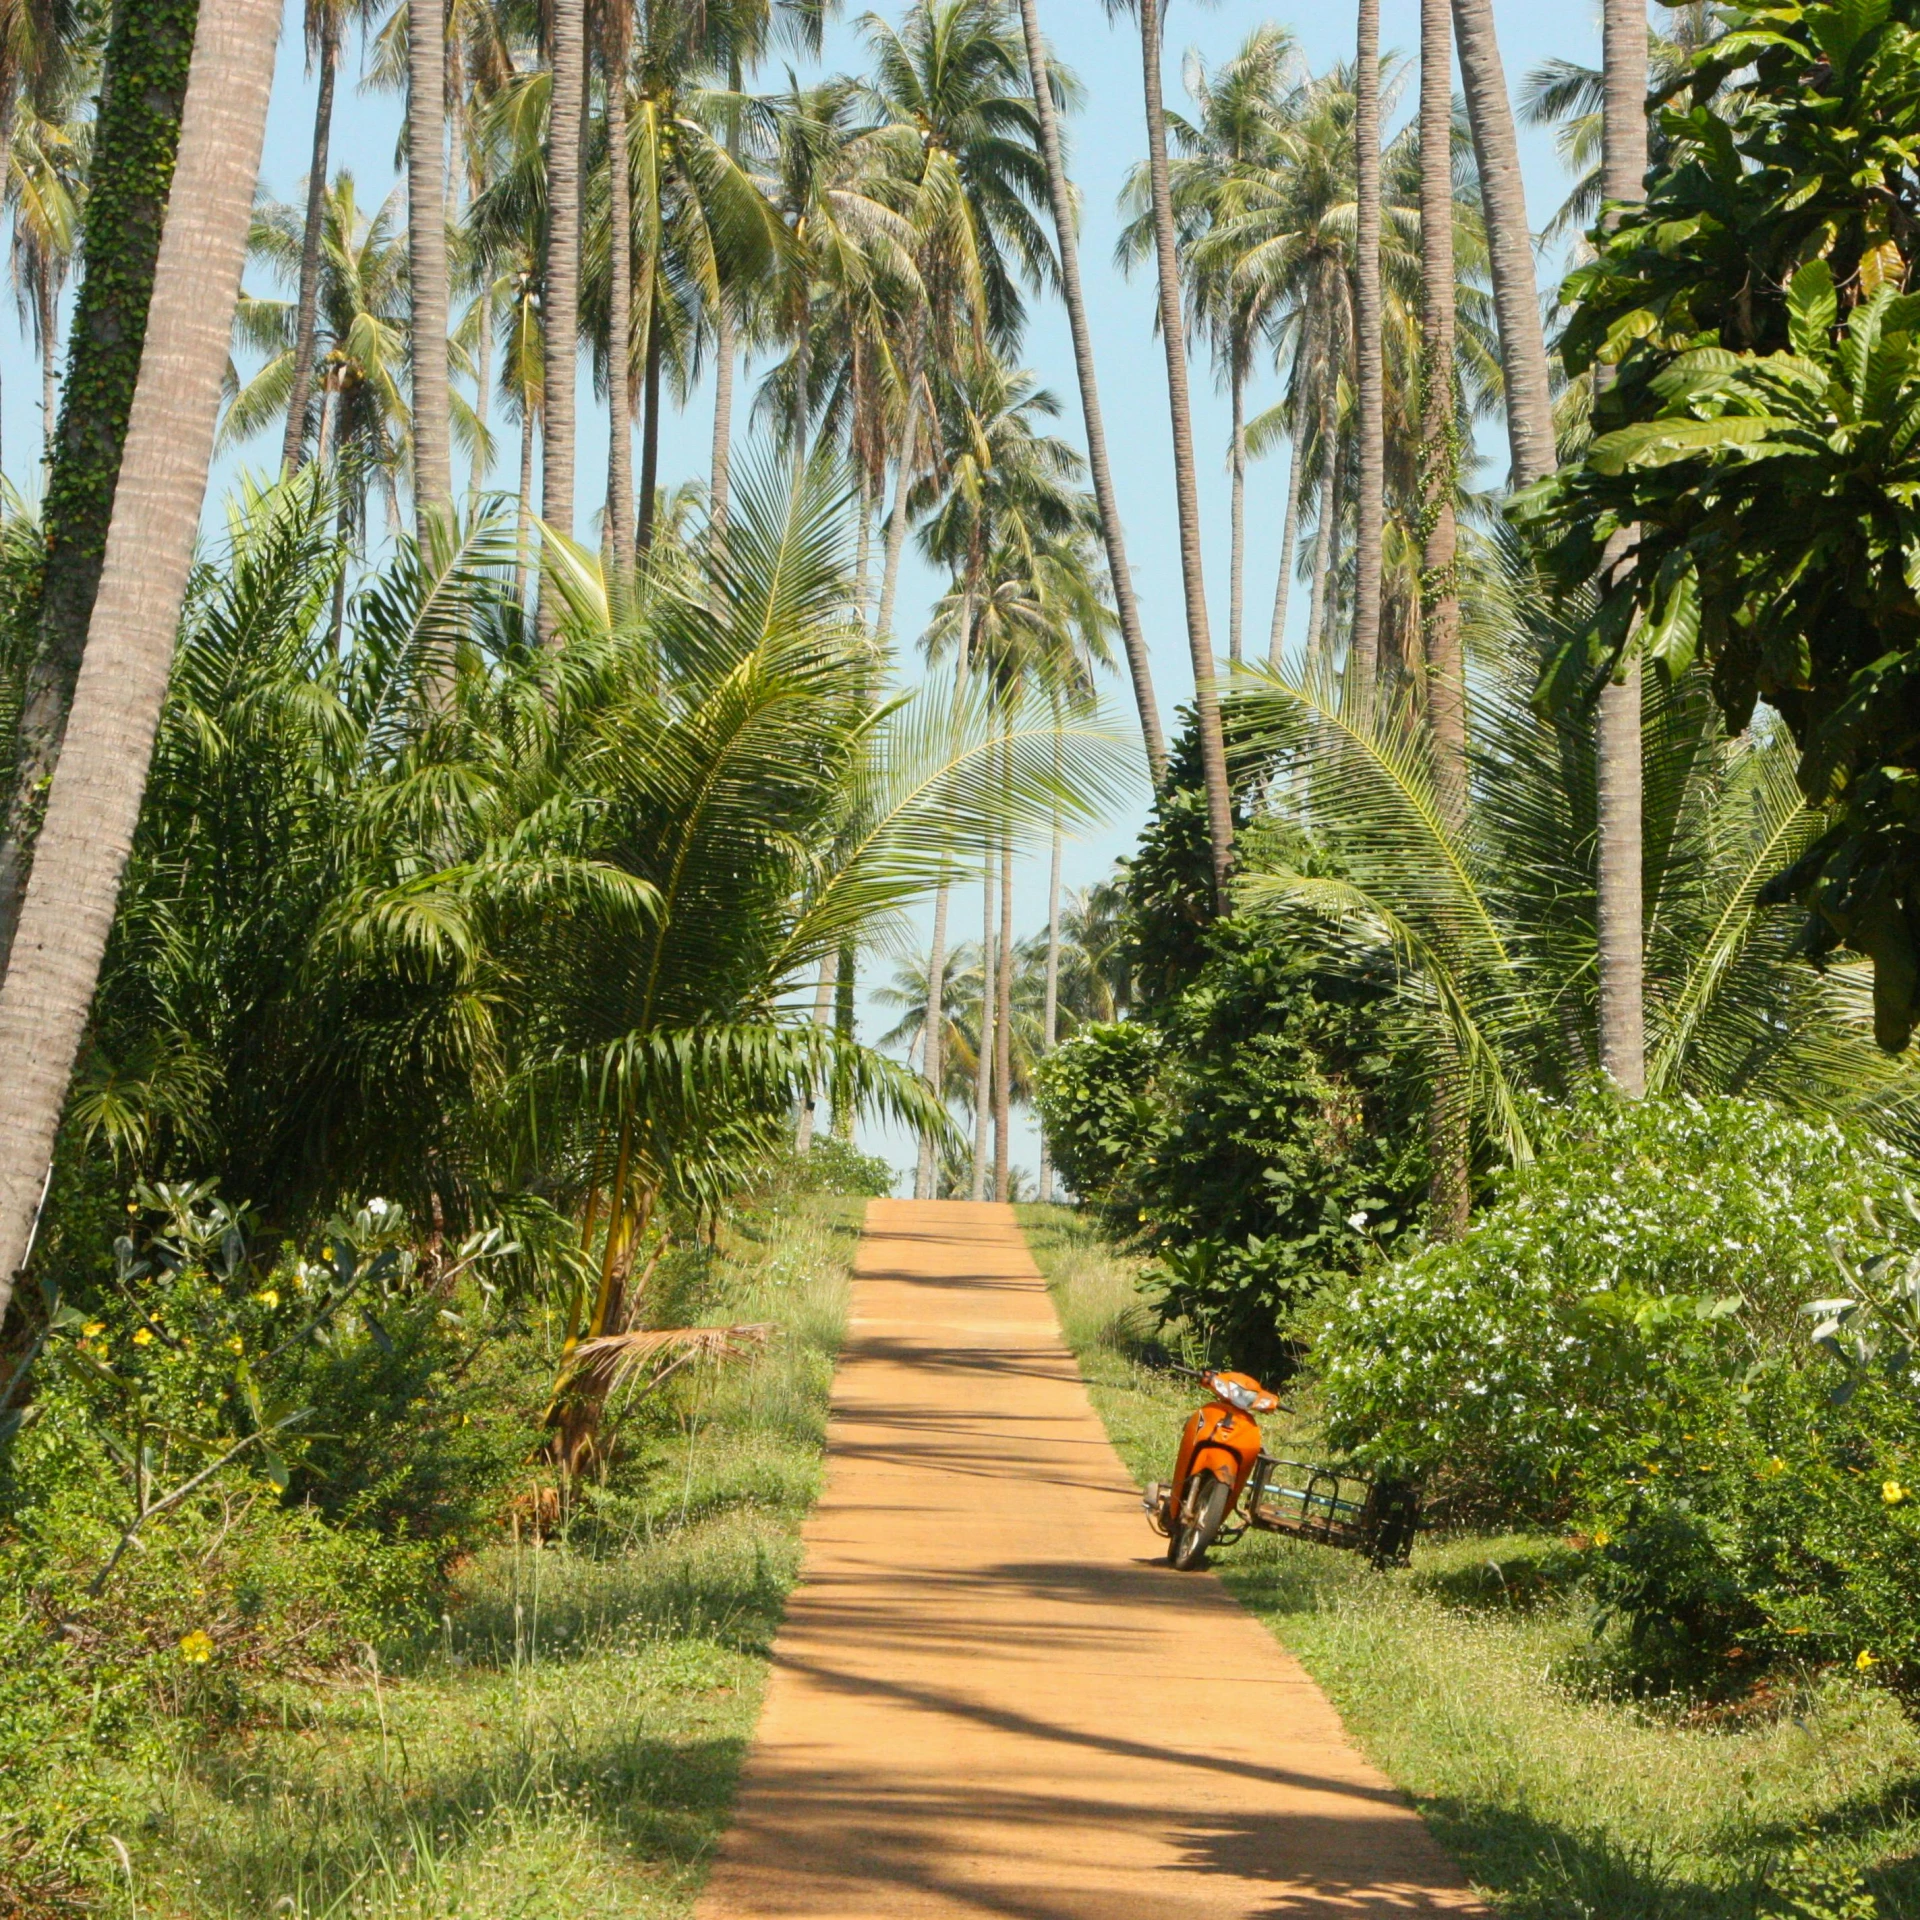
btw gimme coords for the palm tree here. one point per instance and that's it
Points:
(560, 289)
(1241, 136)
(1067, 250)
(428, 287)
(1369, 349)
(1206, 701)
(323, 24)
(1622, 964)
(1487, 920)
(48, 159)
(1523, 345)
(359, 342)
(94, 801)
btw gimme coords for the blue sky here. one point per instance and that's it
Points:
(1106, 140)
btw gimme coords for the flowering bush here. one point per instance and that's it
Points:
(1648, 1240)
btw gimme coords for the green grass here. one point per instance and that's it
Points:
(1470, 1679)
(567, 1744)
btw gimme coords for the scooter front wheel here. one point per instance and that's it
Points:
(1203, 1512)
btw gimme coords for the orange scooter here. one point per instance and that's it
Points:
(1218, 1452)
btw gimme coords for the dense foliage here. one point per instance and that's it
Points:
(1624, 1340)
(1759, 436)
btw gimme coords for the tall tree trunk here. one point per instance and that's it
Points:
(650, 436)
(822, 1017)
(802, 380)
(1050, 1017)
(9, 109)
(94, 802)
(1516, 293)
(427, 258)
(720, 487)
(1623, 1046)
(927, 1176)
(1439, 591)
(523, 547)
(482, 395)
(1236, 590)
(1003, 1034)
(1173, 334)
(1323, 551)
(897, 519)
(48, 296)
(136, 138)
(307, 308)
(1065, 226)
(566, 118)
(844, 1023)
(622, 535)
(926, 1183)
(1369, 357)
(1289, 531)
(1448, 1139)
(983, 1063)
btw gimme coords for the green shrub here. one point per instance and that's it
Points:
(1095, 1094)
(1648, 1238)
(1258, 1129)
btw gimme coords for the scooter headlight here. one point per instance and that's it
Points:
(1247, 1399)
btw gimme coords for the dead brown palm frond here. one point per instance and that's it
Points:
(604, 1365)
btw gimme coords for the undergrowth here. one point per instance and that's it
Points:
(563, 1738)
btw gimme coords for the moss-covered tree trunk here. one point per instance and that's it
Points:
(136, 141)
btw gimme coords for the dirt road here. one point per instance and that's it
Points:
(990, 1695)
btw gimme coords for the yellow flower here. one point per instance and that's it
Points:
(1601, 1536)
(94, 1329)
(132, 1208)
(196, 1648)
(1865, 1660)
(1892, 1492)
(143, 1336)
(237, 1345)
(326, 1253)
(267, 1297)
(1773, 1469)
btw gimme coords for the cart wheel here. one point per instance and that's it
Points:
(1202, 1514)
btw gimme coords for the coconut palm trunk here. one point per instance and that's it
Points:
(1237, 455)
(926, 1179)
(523, 548)
(1623, 1046)
(720, 486)
(1449, 1143)
(1050, 1016)
(427, 258)
(1369, 356)
(844, 1028)
(897, 519)
(822, 1018)
(566, 117)
(136, 140)
(1439, 591)
(1003, 1033)
(307, 307)
(1323, 538)
(1289, 532)
(983, 1061)
(1173, 335)
(47, 298)
(650, 433)
(1100, 468)
(622, 534)
(1516, 294)
(94, 802)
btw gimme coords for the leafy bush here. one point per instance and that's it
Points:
(836, 1166)
(1645, 1238)
(1623, 1340)
(1258, 1128)
(1095, 1094)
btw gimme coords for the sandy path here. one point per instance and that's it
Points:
(990, 1695)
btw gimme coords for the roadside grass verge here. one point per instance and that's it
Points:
(1475, 1681)
(567, 1742)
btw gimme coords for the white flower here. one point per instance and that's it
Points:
(1357, 1220)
